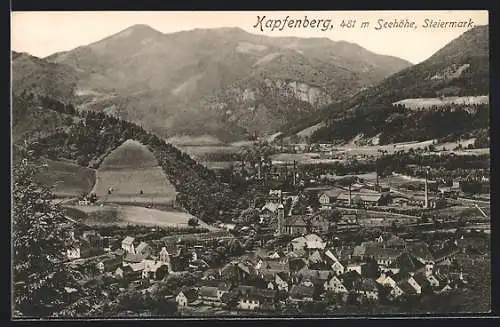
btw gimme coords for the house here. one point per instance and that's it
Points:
(296, 264)
(319, 224)
(383, 256)
(295, 225)
(129, 273)
(253, 298)
(396, 292)
(301, 293)
(315, 257)
(334, 284)
(366, 287)
(186, 296)
(310, 277)
(74, 251)
(354, 265)
(408, 278)
(408, 263)
(150, 268)
(213, 294)
(386, 280)
(131, 258)
(327, 198)
(143, 249)
(128, 244)
(281, 281)
(407, 289)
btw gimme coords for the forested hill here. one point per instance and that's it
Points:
(89, 136)
(460, 68)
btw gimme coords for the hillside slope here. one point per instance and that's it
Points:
(225, 82)
(88, 137)
(461, 68)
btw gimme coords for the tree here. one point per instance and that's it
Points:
(193, 222)
(40, 240)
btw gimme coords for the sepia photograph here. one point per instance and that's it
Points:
(249, 164)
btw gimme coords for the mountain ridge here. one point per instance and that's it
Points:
(163, 80)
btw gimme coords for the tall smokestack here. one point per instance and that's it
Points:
(426, 200)
(349, 194)
(260, 168)
(294, 172)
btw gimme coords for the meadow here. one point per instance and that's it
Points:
(134, 176)
(66, 178)
(122, 215)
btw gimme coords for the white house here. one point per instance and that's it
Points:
(128, 244)
(335, 285)
(73, 253)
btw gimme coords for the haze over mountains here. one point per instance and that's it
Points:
(221, 82)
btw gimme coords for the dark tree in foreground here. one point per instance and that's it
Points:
(42, 283)
(193, 222)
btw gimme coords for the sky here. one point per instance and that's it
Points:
(44, 33)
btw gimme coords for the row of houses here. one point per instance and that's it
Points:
(308, 269)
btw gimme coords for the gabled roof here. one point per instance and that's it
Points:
(446, 251)
(141, 247)
(331, 193)
(421, 279)
(315, 257)
(190, 293)
(296, 221)
(132, 257)
(128, 240)
(407, 263)
(296, 263)
(283, 276)
(407, 288)
(271, 206)
(380, 253)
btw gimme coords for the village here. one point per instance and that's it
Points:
(320, 247)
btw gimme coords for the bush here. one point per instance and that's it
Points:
(193, 222)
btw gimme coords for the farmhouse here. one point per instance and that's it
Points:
(327, 198)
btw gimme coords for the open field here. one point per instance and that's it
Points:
(128, 170)
(301, 158)
(440, 102)
(114, 214)
(68, 179)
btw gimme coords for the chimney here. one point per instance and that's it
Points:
(426, 203)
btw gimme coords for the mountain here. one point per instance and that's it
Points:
(38, 76)
(224, 82)
(460, 68)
